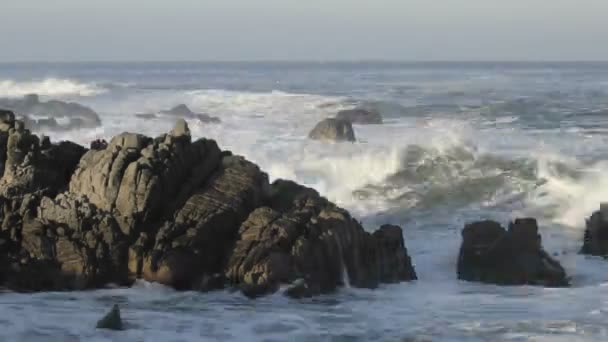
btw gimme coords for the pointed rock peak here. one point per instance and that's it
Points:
(180, 129)
(112, 320)
(181, 109)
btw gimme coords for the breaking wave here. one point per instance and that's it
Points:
(53, 87)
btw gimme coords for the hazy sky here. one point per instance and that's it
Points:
(77, 30)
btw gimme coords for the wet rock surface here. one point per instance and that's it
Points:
(174, 211)
(491, 254)
(596, 233)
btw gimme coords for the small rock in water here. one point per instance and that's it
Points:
(333, 130)
(112, 320)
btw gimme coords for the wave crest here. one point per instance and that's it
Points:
(54, 87)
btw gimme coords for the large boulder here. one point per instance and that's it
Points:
(196, 241)
(177, 212)
(72, 115)
(333, 130)
(491, 254)
(183, 111)
(142, 180)
(360, 116)
(301, 235)
(596, 233)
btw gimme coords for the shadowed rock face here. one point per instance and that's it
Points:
(333, 130)
(491, 254)
(175, 211)
(596, 233)
(360, 116)
(47, 113)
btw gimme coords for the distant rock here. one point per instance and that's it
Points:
(596, 233)
(360, 116)
(112, 320)
(183, 111)
(146, 116)
(51, 115)
(333, 130)
(491, 254)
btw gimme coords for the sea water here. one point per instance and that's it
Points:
(459, 142)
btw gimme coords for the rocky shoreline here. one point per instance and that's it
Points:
(178, 212)
(191, 216)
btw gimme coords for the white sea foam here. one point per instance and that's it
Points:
(52, 87)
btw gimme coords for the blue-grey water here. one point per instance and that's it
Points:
(460, 142)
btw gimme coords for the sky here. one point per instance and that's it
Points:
(303, 30)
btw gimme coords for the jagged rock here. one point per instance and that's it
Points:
(86, 243)
(360, 116)
(202, 232)
(396, 265)
(491, 254)
(77, 116)
(596, 233)
(32, 165)
(111, 321)
(183, 111)
(302, 235)
(333, 130)
(177, 212)
(136, 177)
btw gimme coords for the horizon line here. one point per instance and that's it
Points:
(312, 61)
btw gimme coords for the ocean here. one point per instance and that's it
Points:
(460, 142)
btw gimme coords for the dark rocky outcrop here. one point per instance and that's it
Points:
(360, 116)
(596, 233)
(111, 321)
(174, 211)
(182, 111)
(47, 114)
(333, 130)
(491, 254)
(301, 235)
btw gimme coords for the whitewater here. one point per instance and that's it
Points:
(460, 142)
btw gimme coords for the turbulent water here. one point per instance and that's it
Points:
(460, 142)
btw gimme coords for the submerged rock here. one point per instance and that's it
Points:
(491, 254)
(596, 233)
(178, 212)
(333, 130)
(72, 115)
(112, 320)
(184, 112)
(360, 116)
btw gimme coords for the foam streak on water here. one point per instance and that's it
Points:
(460, 142)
